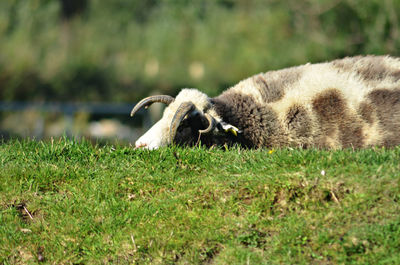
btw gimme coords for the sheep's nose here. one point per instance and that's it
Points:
(140, 145)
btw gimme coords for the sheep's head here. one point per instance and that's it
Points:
(187, 119)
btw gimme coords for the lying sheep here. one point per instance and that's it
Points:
(351, 102)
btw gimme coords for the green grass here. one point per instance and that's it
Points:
(69, 202)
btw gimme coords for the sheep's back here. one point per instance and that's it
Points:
(351, 102)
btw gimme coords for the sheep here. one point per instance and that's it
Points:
(352, 102)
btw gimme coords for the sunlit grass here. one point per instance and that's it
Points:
(71, 202)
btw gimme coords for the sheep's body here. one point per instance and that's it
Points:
(351, 102)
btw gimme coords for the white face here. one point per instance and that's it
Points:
(155, 137)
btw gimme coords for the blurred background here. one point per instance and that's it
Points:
(76, 67)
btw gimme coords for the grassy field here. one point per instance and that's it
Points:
(68, 202)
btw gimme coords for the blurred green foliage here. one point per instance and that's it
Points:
(122, 50)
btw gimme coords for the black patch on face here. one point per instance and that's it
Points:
(188, 130)
(185, 135)
(188, 134)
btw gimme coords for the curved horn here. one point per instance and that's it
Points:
(150, 100)
(211, 124)
(182, 111)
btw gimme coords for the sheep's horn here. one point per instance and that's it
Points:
(150, 100)
(211, 124)
(182, 111)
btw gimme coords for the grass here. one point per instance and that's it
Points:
(68, 202)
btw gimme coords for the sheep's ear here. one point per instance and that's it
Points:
(228, 128)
